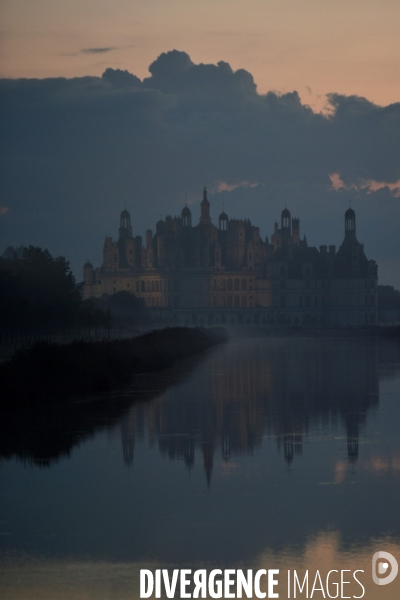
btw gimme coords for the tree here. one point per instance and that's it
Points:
(38, 291)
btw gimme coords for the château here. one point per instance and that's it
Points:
(204, 274)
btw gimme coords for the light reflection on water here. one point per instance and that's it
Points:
(49, 579)
(272, 453)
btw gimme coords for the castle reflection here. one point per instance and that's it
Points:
(251, 389)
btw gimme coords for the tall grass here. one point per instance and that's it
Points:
(48, 370)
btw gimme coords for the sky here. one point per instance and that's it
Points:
(267, 102)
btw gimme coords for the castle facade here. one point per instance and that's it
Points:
(228, 274)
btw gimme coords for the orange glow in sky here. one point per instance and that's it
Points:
(312, 46)
(369, 184)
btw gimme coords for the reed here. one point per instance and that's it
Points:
(53, 371)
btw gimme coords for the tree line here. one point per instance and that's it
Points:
(38, 292)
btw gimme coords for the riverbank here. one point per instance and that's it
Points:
(48, 371)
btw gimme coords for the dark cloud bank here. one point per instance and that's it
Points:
(75, 150)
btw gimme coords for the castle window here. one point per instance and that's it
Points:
(229, 301)
(214, 284)
(214, 301)
(244, 302)
(143, 286)
(236, 301)
(152, 286)
(157, 286)
(250, 256)
(137, 286)
(307, 300)
(229, 284)
(223, 284)
(237, 284)
(244, 284)
(127, 285)
(308, 285)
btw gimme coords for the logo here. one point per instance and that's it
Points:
(380, 566)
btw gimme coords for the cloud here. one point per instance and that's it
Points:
(223, 186)
(98, 50)
(74, 150)
(368, 185)
(3, 210)
(120, 78)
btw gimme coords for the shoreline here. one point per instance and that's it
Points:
(47, 370)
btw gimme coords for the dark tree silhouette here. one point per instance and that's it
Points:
(39, 292)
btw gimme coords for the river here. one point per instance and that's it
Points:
(265, 453)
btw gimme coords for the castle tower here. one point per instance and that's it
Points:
(88, 273)
(285, 220)
(350, 223)
(223, 221)
(125, 229)
(186, 217)
(296, 231)
(286, 229)
(205, 208)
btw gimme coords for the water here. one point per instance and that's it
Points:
(266, 453)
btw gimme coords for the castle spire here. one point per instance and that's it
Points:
(205, 208)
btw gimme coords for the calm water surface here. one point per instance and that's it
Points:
(266, 453)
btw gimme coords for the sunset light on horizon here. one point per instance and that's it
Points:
(312, 47)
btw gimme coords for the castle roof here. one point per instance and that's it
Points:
(205, 201)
